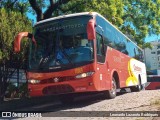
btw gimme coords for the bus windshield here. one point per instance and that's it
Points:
(61, 44)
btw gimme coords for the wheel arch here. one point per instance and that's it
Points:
(116, 76)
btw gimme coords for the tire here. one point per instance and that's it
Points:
(66, 99)
(138, 87)
(110, 94)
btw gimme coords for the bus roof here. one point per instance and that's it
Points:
(85, 13)
(66, 16)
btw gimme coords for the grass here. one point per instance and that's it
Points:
(156, 102)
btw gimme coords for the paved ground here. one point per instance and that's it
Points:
(137, 101)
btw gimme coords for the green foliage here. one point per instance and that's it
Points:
(142, 17)
(15, 5)
(11, 23)
(110, 9)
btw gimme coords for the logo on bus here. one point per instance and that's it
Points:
(136, 68)
(56, 79)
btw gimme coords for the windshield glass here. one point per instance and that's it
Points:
(61, 44)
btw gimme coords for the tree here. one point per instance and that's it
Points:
(38, 5)
(11, 23)
(15, 5)
(141, 18)
(114, 8)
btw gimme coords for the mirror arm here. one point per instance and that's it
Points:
(18, 39)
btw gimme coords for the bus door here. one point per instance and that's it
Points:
(102, 77)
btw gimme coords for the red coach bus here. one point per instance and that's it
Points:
(81, 53)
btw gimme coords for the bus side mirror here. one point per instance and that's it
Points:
(18, 39)
(91, 34)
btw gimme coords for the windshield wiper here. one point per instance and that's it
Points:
(42, 62)
(46, 61)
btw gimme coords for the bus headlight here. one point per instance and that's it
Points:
(83, 75)
(32, 81)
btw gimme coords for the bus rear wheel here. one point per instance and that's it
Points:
(138, 87)
(110, 94)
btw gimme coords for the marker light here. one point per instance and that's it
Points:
(83, 75)
(32, 81)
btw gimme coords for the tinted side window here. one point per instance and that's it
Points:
(115, 39)
(107, 31)
(99, 44)
(100, 48)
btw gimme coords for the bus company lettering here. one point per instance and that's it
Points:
(54, 28)
(117, 59)
(136, 68)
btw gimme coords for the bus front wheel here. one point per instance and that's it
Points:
(110, 94)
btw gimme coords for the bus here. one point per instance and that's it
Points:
(81, 53)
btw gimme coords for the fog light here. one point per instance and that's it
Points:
(90, 84)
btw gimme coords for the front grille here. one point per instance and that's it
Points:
(60, 79)
(57, 89)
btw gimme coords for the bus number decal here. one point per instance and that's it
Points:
(100, 76)
(78, 70)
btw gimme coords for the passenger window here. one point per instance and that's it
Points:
(100, 49)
